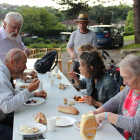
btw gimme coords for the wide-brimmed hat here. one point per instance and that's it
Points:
(82, 17)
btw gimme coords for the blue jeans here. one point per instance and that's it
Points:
(6, 128)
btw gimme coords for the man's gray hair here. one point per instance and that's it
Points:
(15, 16)
(132, 63)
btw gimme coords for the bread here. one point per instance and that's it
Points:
(65, 100)
(58, 76)
(62, 86)
(40, 118)
(68, 109)
(24, 86)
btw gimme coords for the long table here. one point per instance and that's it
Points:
(24, 114)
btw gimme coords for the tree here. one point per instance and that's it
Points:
(106, 19)
(31, 19)
(136, 7)
(98, 19)
(85, 7)
(129, 24)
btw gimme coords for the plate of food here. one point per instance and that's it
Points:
(76, 99)
(64, 120)
(62, 86)
(23, 87)
(30, 129)
(34, 101)
(76, 125)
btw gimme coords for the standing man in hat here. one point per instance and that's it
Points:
(80, 37)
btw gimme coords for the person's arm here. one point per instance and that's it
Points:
(72, 75)
(71, 45)
(72, 54)
(24, 48)
(94, 41)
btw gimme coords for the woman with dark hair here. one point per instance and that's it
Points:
(100, 86)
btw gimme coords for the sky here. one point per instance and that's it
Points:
(42, 3)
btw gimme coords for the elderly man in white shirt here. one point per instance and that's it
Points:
(11, 99)
(10, 39)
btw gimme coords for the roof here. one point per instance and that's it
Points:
(66, 33)
(72, 22)
(103, 26)
(121, 22)
(2, 16)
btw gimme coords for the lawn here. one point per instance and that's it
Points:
(127, 38)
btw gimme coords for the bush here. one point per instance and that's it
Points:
(128, 33)
(47, 41)
(27, 41)
(40, 40)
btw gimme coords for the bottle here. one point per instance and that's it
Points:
(88, 126)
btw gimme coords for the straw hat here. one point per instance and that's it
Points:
(82, 17)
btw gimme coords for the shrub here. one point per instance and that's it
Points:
(40, 40)
(128, 33)
(27, 41)
(47, 41)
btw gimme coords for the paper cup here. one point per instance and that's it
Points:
(41, 85)
(56, 70)
(52, 81)
(48, 74)
(51, 123)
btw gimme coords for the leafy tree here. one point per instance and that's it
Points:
(98, 19)
(107, 19)
(129, 24)
(31, 18)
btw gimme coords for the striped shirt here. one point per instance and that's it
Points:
(78, 39)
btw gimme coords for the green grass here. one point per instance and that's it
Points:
(131, 46)
(127, 38)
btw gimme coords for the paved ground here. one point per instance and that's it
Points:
(114, 54)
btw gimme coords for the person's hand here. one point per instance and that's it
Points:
(72, 75)
(100, 117)
(33, 85)
(93, 112)
(27, 51)
(32, 73)
(41, 93)
(73, 56)
(89, 100)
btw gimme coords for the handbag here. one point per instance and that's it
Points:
(46, 62)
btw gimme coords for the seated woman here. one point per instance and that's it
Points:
(126, 103)
(100, 86)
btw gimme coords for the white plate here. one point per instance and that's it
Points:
(76, 122)
(66, 85)
(64, 120)
(70, 98)
(38, 99)
(41, 127)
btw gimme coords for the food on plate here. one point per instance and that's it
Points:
(71, 103)
(76, 98)
(81, 99)
(78, 125)
(24, 86)
(65, 100)
(68, 109)
(40, 118)
(62, 86)
(31, 101)
(29, 129)
(58, 76)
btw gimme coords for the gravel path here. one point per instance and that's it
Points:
(114, 54)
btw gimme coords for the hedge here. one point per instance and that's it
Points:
(128, 33)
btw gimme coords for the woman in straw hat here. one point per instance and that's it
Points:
(80, 37)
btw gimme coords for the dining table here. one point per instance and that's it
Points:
(25, 114)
